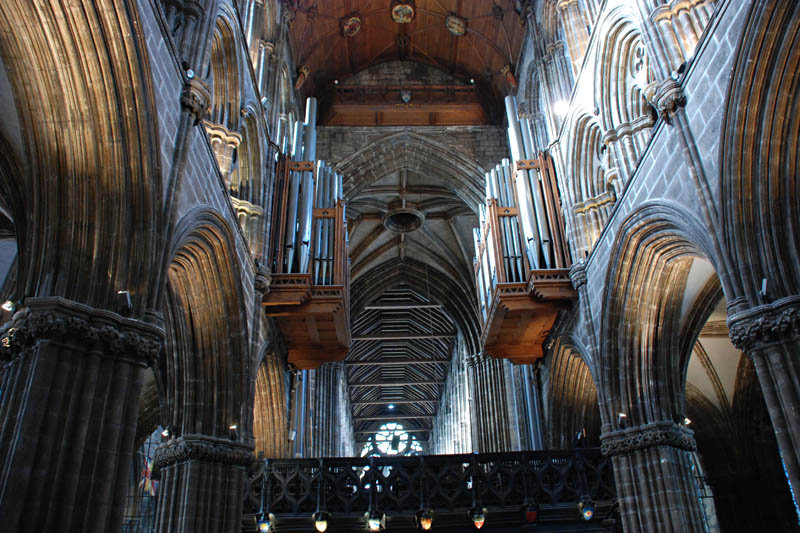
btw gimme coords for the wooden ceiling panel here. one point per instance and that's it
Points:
(492, 39)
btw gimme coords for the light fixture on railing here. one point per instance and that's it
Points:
(424, 515)
(375, 520)
(586, 509)
(425, 519)
(320, 517)
(266, 524)
(265, 520)
(478, 516)
(320, 520)
(530, 513)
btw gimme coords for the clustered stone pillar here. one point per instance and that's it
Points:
(451, 431)
(653, 470)
(70, 386)
(557, 82)
(203, 483)
(328, 411)
(576, 31)
(770, 335)
(490, 416)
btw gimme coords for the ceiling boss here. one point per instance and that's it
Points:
(403, 11)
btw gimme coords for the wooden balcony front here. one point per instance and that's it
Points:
(520, 301)
(311, 307)
(407, 105)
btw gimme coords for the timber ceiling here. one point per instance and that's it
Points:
(409, 233)
(398, 362)
(493, 32)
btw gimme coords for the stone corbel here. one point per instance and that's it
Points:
(195, 98)
(669, 98)
(262, 279)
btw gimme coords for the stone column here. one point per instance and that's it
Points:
(770, 335)
(70, 387)
(655, 477)
(203, 482)
(576, 32)
(557, 81)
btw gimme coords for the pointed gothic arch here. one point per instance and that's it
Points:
(759, 191)
(642, 370)
(203, 373)
(414, 151)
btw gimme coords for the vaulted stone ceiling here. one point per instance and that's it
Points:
(334, 39)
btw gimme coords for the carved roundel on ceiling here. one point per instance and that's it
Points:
(403, 12)
(351, 25)
(455, 25)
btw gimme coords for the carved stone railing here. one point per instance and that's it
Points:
(555, 481)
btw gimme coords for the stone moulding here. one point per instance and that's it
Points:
(766, 324)
(649, 436)
(95, 330)
(203, 448)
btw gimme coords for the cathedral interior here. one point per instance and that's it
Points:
(364, 265)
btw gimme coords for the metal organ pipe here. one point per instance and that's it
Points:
(529, 223)
(309, 154)
(536, 191)
(291, 206)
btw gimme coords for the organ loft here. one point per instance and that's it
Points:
(399, 265)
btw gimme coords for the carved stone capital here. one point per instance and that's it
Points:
(669, 97)
(626, 441)
(766, 324)
(195, 98)
(203, 448)
(98, 331)
(577, 275)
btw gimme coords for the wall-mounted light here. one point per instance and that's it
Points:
(124, 298)
(166, 432)
(234, 431)
(391, 406)
(686, 421)
(8, 305)
(622, 420)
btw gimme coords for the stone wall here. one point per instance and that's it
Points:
(486, 145)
